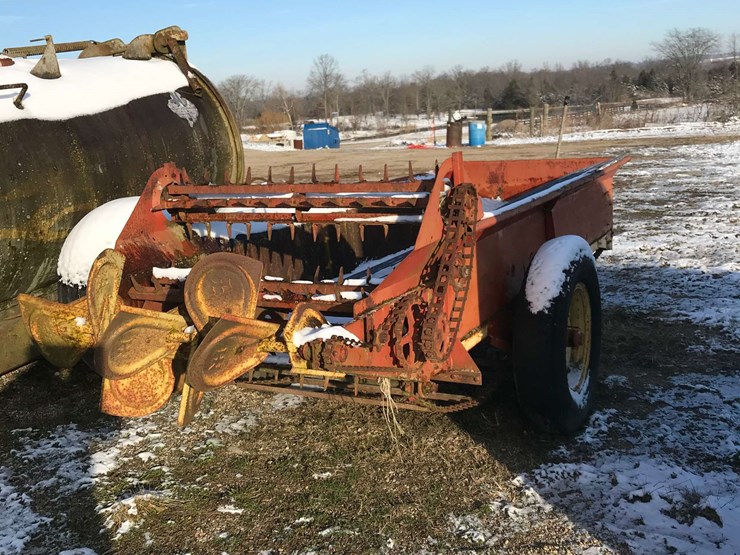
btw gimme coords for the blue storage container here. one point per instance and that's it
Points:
(477, 133)
(320, 135)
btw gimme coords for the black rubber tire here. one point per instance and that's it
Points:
(69, 293)
(538, 354)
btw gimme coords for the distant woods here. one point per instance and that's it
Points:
(695, 64)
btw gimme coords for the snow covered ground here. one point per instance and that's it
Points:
(666, 481)
(677, 245)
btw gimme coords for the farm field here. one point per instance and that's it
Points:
(655, 470)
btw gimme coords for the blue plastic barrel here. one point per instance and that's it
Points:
(477, 132)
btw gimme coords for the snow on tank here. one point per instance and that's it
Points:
(87, 86)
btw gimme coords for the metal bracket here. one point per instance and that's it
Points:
(18, 99)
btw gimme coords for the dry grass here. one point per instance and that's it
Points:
(323, 475)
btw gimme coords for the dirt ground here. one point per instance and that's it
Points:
(373, 155)
(269, 474)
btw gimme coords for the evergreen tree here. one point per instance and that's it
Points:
(512, 97)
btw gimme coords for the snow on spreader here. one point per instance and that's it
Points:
(373, 292)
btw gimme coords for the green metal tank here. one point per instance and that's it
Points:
(92, 135)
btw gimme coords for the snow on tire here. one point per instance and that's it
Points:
(96, 231)
(557, 335)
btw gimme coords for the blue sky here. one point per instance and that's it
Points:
(278, 40)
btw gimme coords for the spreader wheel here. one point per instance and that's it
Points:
(556, 349)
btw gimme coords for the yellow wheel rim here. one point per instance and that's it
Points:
(578, 344)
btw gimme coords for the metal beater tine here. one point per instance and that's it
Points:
(269, 174)
(249, 230)
(189, 231)
(338, 230)
(385, 172)
(385, 231)
(248, 179)
(208, 229)
(411, 171)
(340, 279)
(136, 284)
(336, 173)
(314, 231)
(316, 274)
(436, 167)
(313, 174)
(228, 230)
(360, 175)
(362, 232)
(292, 231)
(269, 231)
(291, 178)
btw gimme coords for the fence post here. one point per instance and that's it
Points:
(489, 124)
(531, 121)
(543, 124)
(562, 126)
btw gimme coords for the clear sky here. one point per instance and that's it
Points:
(277, 40)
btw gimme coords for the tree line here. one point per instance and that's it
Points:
(683, 66)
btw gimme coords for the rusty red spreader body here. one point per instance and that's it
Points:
(373, 292)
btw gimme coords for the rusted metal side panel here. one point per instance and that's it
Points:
(508, 178)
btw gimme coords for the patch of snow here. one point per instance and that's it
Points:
(18, 521)
(278, 358)
(229, 509)
(615, 380)
(325, 332)
(183, 108)
(394, 219)
(283, 401)
(550, 267)
(231, 426)
(345, 295)
(177, 274)
(684, 129)
(470, 528)
(676, 252)
(490, 205)
(666, 487)
(88, 86)
(321, 475)
(380, 268)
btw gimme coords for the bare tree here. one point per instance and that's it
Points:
(685, 51)
(732, 44)
(326, 81)
(425, 80)
(386, 85)
(241, 92)
(286, 102)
